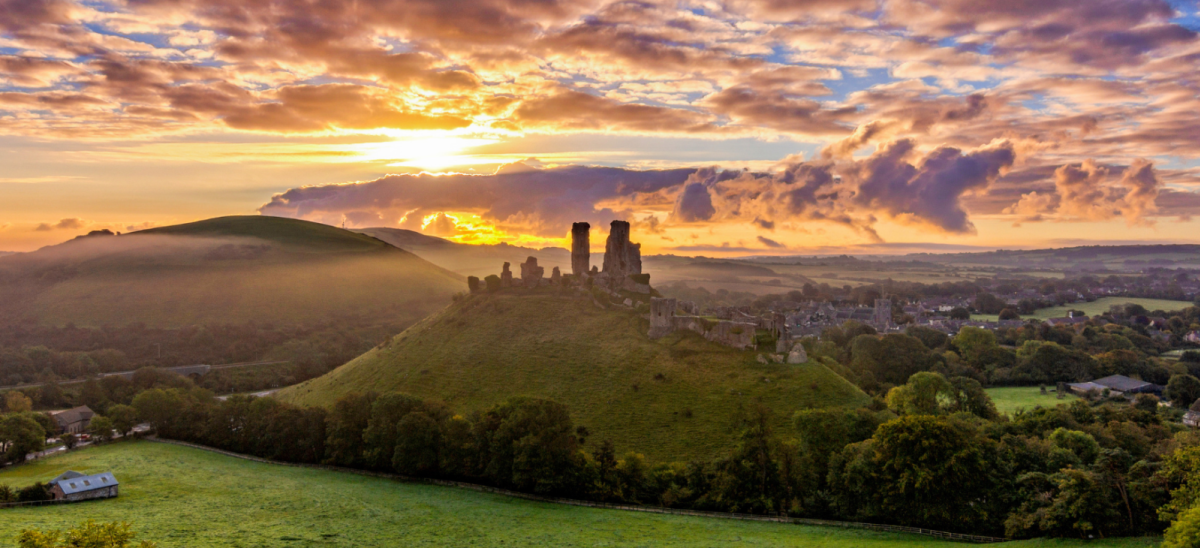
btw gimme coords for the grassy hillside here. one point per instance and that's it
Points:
(225, 270)
(671, 399)
(473, 260)
(181, 497)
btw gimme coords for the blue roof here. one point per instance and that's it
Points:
(80, 484)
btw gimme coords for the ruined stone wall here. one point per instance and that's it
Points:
(531, 273)
(662, 317)
(621, 257)
(738, 335)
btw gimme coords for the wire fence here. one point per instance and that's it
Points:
(978, 539)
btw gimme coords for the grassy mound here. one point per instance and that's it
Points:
(224, 270)
(179, 497)
(675, 398)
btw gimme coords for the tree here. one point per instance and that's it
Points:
(989, 304)
(124, 418)
(101, 427)
(1183, 390)
(921, 470)
(21, 435)
(925, 393)
(17, 402)
(1009, 314)
(960, 313)
(418, 443)
(930, 337)
(86, 535)
(158, 407)
(1184, 532)
(970, 397)
(974, 342)
(387, 411)
(1082, 444)
(344, 429)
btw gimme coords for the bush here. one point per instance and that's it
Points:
(34, 493)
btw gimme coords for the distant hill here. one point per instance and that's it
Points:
(224, 270)
(671, 399)
(471, 260)
(1096, 257)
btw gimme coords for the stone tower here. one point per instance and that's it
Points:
(581, 249)
(883, 313)
(621, 257)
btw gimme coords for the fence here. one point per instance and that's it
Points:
(32, 503)
(627, 508)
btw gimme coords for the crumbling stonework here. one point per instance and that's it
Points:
(622, 258)
(733, 334)
(506, 278)
(473, 284)
(531, 273)
(797, 355)
(555, 276)
(662, 317)
(581, 249)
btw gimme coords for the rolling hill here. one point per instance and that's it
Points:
(470, 260)
(672, 399)
(223, 270)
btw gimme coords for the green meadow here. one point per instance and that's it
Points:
(183, 497)
(1010, 399)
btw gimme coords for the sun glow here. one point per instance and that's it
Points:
(427, 152)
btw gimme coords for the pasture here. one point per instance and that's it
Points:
(1010, 399)
(183, 497)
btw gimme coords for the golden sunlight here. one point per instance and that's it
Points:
(427, 152)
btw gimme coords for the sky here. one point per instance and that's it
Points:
(720, 128)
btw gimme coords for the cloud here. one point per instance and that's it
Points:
(770, 243)
(64, 224)
(694, 204)
(1087, 191)
(929, 192)
(533, 202)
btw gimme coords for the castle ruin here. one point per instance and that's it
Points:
(581, 250)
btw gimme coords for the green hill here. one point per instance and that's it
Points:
(671, 399)
(224, 270)
(470, 259)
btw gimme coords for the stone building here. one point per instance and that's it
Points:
(74, 486)
(73, 421)
(531, 273)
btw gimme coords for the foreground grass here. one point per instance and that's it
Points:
(1010, 399)
(182, 497)
(672, 399)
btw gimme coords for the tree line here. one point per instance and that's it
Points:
(933, 453)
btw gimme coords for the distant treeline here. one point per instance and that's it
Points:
(37, 353)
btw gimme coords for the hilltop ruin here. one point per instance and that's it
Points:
(622, 276)
(622, 265)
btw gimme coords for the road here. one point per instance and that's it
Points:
(144, 427)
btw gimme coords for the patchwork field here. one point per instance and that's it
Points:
(182, 497)
(1010, 399)
(1098, 306)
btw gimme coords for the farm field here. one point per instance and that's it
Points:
(179, 497)
(1099, 306)
(1009, 399)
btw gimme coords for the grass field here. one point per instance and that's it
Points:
(225, 270)
(672, 399)
(1098, 306)
(1009, 399)
(182, 497)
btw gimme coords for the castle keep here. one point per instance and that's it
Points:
(622, 265)
(622, 275)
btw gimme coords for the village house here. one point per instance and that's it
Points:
(74, 486)
(1192, 417)
(1193, 337)
(1117, 384)
(73, 421)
